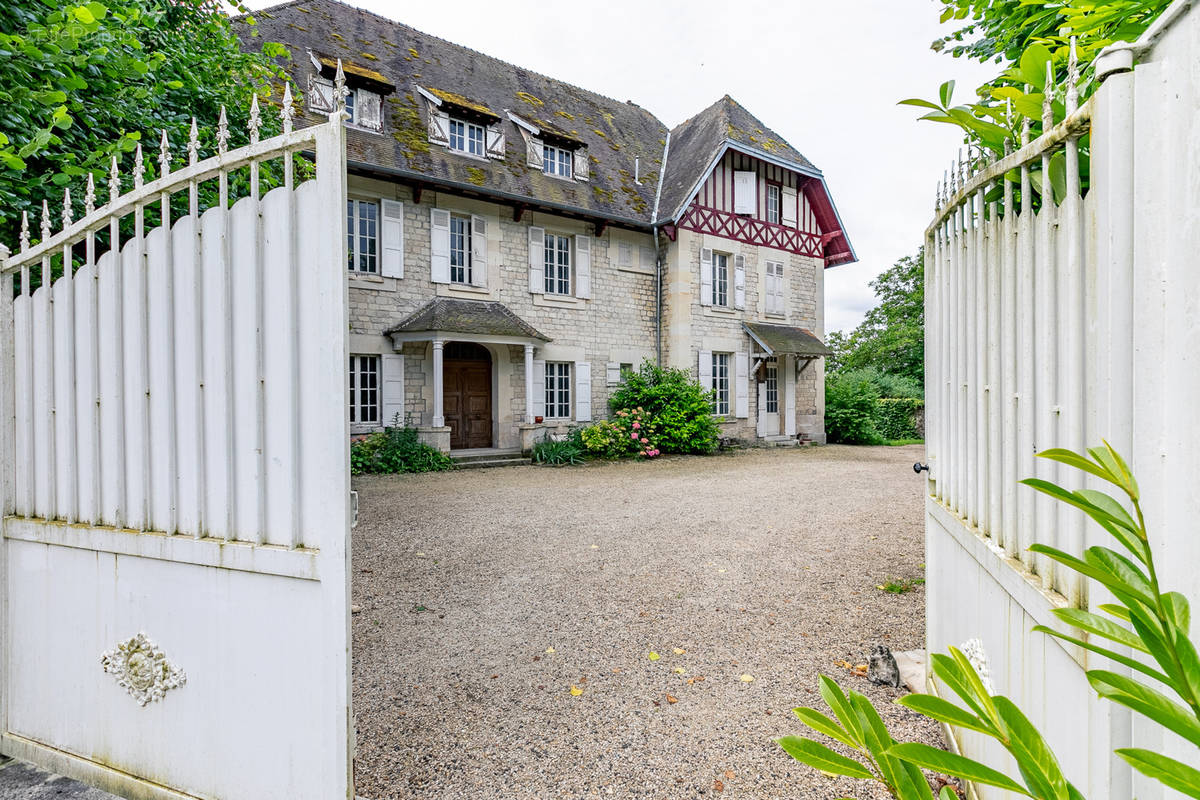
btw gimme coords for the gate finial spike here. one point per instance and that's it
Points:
(114, 182)
(222, 132)
(193, 143)
(1072, 79)
(66, 209)
(164, 155)
(255, 119)
(288, 110)
(24, 230)
(45, 220)
(1048, 99)
(139, 167)
(89, 197)
(339, 90)
(1025, 126)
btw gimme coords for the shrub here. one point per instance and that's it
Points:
(558, 453)
(629, 433)
(395, 450)
(851, 408)
(896, 417)
(678, 406)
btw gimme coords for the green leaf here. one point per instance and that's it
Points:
(820, 757)
(944, 711)
(1124, 592)
(1034, 757)
(823, 724)
(1093, 623)
(973, 680)
(1033, 65)
(946, 93)
(1073, 459)
(1178, 609)
(1058, 175)
(832, 694)
(1153, 704)
(84, 15)
(953, 764)
(947, 670)
(1167, 771)
(1132, 663)
(916, 101)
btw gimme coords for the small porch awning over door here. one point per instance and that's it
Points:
(465, 320)
(786, 340)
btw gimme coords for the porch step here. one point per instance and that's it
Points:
(512, 461)
(779, 440)
(487, 457)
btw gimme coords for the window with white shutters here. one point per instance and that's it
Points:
(773, 202)
(467, 137)
(362, 236)
(720, 279)
(720, 383)
(557, 264)
(624, 254)
(774, 288)
(460, 249)
(364, 109)
(558, 389)
(771, 373)
(556, 161)
(364, 390)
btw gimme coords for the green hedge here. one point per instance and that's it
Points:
(395, 450)
(896, 417)
(866, 406)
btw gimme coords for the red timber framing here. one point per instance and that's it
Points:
(749, 230)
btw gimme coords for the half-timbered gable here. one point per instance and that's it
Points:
(516, 244)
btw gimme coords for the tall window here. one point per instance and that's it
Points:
(772, 375)
(460, 249)
(558, 389)
(773, 203)
(774, 288)
(364, 389)
(556, 161)
(720, 378)
(362, 236)
(466, 137)
(558, 264)
(720, 284)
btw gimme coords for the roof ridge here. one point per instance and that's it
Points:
(480, 53)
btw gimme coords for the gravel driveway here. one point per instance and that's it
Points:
(486, 596)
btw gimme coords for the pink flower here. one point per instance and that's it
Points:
(645, 440)
(637, 425)
(633, 436)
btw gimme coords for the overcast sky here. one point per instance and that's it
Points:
(824, 75)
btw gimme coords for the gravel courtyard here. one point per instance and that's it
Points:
(488, 596)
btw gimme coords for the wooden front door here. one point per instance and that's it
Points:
(467, 395)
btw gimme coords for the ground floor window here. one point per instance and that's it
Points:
(772, 380)
(558, 389)
(364, 389)
(720, 378)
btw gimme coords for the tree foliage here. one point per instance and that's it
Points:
(891, 338)
(82, 83)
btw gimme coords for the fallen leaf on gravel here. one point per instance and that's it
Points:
(421, 555)
(729, 774)
(576, 691)
(718, 786)
(691, 681)
(549, 649)
(679, 670)
(537, 658)
(679, 651)
(672, 699)
(700, 678)
(654, 656)
(495, 676)
(583, 679)
(720, 570)
(747, 678)
(595, 547)
(616, 670)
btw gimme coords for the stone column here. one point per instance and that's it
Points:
(439, 419)
(528, 384)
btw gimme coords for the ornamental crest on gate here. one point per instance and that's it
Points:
(142, 669)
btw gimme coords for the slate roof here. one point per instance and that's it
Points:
(484, 317)
(696, 142)
(786, 339)
(615, 132)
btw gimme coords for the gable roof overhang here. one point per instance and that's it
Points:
(837, 244)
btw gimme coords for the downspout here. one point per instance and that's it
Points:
(658, 261)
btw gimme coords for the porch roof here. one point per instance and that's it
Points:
(476, 318)
(786, 340)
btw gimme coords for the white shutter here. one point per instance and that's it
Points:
(647, 257)
(393, 389)
(583, 266)
(581, 164)
(583, 391)
(624, 254)
(439, 125)
(761, 427)
(537, 261)
(612, 373)
(479, 251)
(745, 192)
(368, 108)
(704, 370)
(742, 373)
(534, 156)
(788, 365)
(495, 141)
(539, 389)
(739, 281)
(790, 207)
(775, 287)
(439, 245)
(392, 235)
(320, 94)
(706, 276)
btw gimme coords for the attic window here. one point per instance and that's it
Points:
(466, 137)
(363, 109)
(556, 161)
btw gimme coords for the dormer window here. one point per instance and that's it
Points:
(363, 109)
(466, 137)
(556, 161)
(365, 90)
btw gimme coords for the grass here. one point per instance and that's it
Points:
(900, 585)
(902, 442)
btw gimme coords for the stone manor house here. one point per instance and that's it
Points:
(516, 244)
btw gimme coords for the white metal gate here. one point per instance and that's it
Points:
(1057, 327)
(176, 490)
